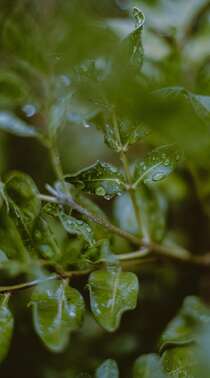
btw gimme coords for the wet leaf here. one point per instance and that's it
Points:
(111, 294)
(13, 125)
(76, 226)
(148, 366)
(134, 39)
(157, 165)
(6, 328)
(128, 133)
(102, 179)
(57, 311)
(108, 369)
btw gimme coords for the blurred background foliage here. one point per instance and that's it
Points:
(76, 51)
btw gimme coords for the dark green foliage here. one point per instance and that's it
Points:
(77, 77)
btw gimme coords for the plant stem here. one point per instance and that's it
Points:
(55, 158)
(131, 190)
(68, 200)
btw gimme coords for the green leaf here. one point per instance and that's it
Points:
(148, 366)
(102, 179)
(76, 226)
(13, 125)
(181, 362)
(108, 369)
(23, 196)
(128, 133)
(184, 327)
(99, 231)
(45, 237)
(135, 38)
(157, 165)
(152, 209)
(10, 240)
(58, 114)
(57, 311)
(111, 294)
(6, 328)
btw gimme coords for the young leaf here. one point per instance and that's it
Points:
(128, 134)
(57, 311)
(148, 366)
(111, 294)
(157, 165)
(23, 196)
(108, 369)
(102, 179)
(6, 328)
(135, 38)
(13, 125)
(76, 227)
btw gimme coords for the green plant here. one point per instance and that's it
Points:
(53, 239)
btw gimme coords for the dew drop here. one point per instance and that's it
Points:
(100, 191)
(158, 176)
(29, 110)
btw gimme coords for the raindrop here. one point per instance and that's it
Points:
(86, 125)
(100, 191)
(166, 163)
(158, 176)
(29, 110)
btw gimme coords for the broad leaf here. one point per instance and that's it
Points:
(152, 210)
(148, 366)
(57, 311)
(184, 327)
(157, 165)
(13, 125)
(108, 369)
(23, 196)
(111, 294)
(6, 328)
(76, 226)
(101, 179)
(181, 362)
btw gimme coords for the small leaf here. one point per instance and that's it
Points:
(128, 133)
(111, 294)
(135, 38)
(13, 125)
(44, 235)
(108, 369)
(102, 179)
(157, 165)
(148, 366)
(23, 196)
(76, 226)
(6, 328)
(58, 114)
(57, 310)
